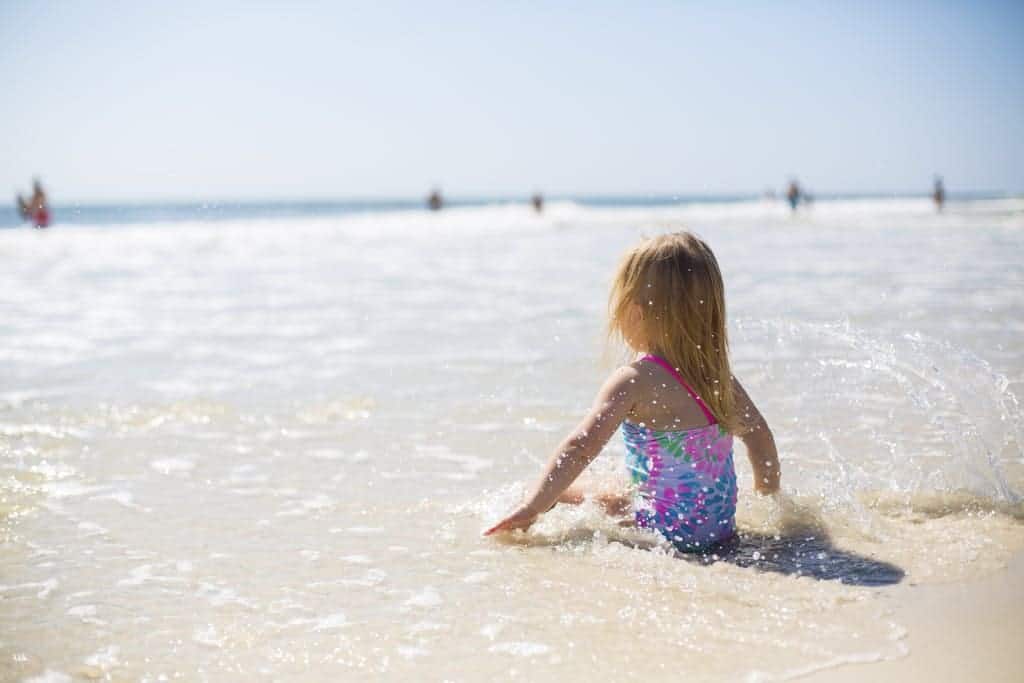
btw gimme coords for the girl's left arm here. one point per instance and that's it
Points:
(577, 450)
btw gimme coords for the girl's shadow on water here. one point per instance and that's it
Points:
(810, 553)
(801, 550)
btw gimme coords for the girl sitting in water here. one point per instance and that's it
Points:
(678, 403)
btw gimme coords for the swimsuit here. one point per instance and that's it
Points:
(685, 479)
(41, 218)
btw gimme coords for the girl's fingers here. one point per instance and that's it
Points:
(497, 527)
(517, 520)
(507, 524)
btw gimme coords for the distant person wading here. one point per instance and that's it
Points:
(793, 194)
(939, 194)
(537, 201)
(434, 201)
(35, 209)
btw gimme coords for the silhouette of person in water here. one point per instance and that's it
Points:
(434, 201)
(939, 193)
(537, 201)
(36, 209)
(793, 194)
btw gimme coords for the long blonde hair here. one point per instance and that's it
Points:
(675, 280)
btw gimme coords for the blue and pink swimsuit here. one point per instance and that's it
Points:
(685, 479)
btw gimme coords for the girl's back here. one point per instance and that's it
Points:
(679, 460)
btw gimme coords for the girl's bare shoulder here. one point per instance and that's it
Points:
(624, 380)
(641, 376)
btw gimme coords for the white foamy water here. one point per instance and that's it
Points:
(264, 450)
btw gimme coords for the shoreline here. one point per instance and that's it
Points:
(969, 630)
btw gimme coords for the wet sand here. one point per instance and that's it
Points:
(969, 631)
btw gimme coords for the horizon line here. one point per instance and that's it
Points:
(476, 198)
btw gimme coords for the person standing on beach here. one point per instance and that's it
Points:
(36, 209)
(537, 201)
(939, 194)
(678, 403)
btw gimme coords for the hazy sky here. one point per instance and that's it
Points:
(279, 100)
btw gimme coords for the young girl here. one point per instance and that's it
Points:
(678, 403)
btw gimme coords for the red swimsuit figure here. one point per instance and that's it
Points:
(41, 218)
(35, 209)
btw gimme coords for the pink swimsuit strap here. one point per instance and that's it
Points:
(679, 378)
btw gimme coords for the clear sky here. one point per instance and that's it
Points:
(225, 100)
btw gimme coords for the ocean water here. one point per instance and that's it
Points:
(262, 445)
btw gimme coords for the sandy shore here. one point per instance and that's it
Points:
(972, 631)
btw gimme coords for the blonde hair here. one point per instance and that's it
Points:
(675, 280)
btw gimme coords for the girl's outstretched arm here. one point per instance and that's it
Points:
(577, 450)
(760, 443)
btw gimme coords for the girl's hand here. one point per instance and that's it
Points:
(520, 518)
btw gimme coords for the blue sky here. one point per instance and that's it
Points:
(226, 100)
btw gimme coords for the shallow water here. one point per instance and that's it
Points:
(265, 449)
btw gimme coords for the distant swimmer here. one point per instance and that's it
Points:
(939, 193)
(36, 209)
(793, 194)
(537, 201)
(434, 200)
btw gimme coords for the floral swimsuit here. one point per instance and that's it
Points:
(685, 479)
